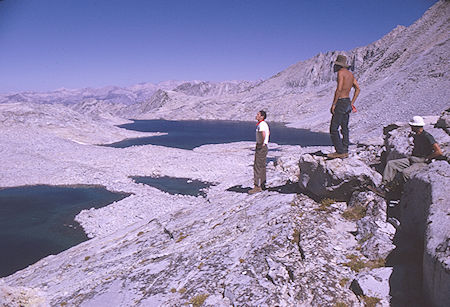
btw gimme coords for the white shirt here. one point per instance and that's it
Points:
(262, 126)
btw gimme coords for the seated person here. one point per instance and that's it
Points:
(425, 149)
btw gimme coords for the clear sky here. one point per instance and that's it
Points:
(50, 44)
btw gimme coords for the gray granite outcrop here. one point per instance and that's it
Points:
(335, 178)
(425, 216)
(444, 121)
(425, 212)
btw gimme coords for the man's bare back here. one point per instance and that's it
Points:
(345, 82)
(346, 79)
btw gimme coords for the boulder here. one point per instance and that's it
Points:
(337, 178)
(375, 283)
(444, 121)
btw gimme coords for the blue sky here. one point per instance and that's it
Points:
(50, 44)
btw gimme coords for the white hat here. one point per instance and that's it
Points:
(417, 121)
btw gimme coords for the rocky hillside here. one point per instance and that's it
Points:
(325, 247)
(403, 74)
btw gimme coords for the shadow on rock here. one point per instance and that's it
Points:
(288, 188)
(406, 278)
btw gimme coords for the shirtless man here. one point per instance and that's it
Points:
(341, 107)
(262, 140)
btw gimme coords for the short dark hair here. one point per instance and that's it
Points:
(263, 114)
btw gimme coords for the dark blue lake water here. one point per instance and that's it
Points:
(193, 133)
(174, 185)
(37, 221)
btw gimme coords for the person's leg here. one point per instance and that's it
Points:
(263, 166)
(260, 165)
(393, 167)
(336, 121)
(255, 168)
(345, 132)
(259, 169)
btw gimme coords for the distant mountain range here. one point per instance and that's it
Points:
(404, 73)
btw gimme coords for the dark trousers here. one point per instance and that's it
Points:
(340, 119)
(259, 166)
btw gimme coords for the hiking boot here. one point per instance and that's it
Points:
(335, 155)
(256, 189)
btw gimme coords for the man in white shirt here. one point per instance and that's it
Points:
(262, 140)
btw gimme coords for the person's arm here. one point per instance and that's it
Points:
(357, 90)
(340, 84)
(263, 136)
(436, 152)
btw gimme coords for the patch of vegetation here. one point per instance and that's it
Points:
(63, 304)
(327, 201)
(87, 258)
(182, 290)
(198, 300)
(323, 208)
(181, 237)
(343, 282)
(140, 233)
(325, 204)
(173, 290)
(241, 260)
(340, 304)
(377, 263)
(366, 238)
(200, 265)
(296, 236)
(370, 301)
(355, 213)
(356, 264)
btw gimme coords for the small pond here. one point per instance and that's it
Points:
(172, 185)
(37, 221)
(189, 134)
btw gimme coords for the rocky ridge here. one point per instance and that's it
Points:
(404, 73)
